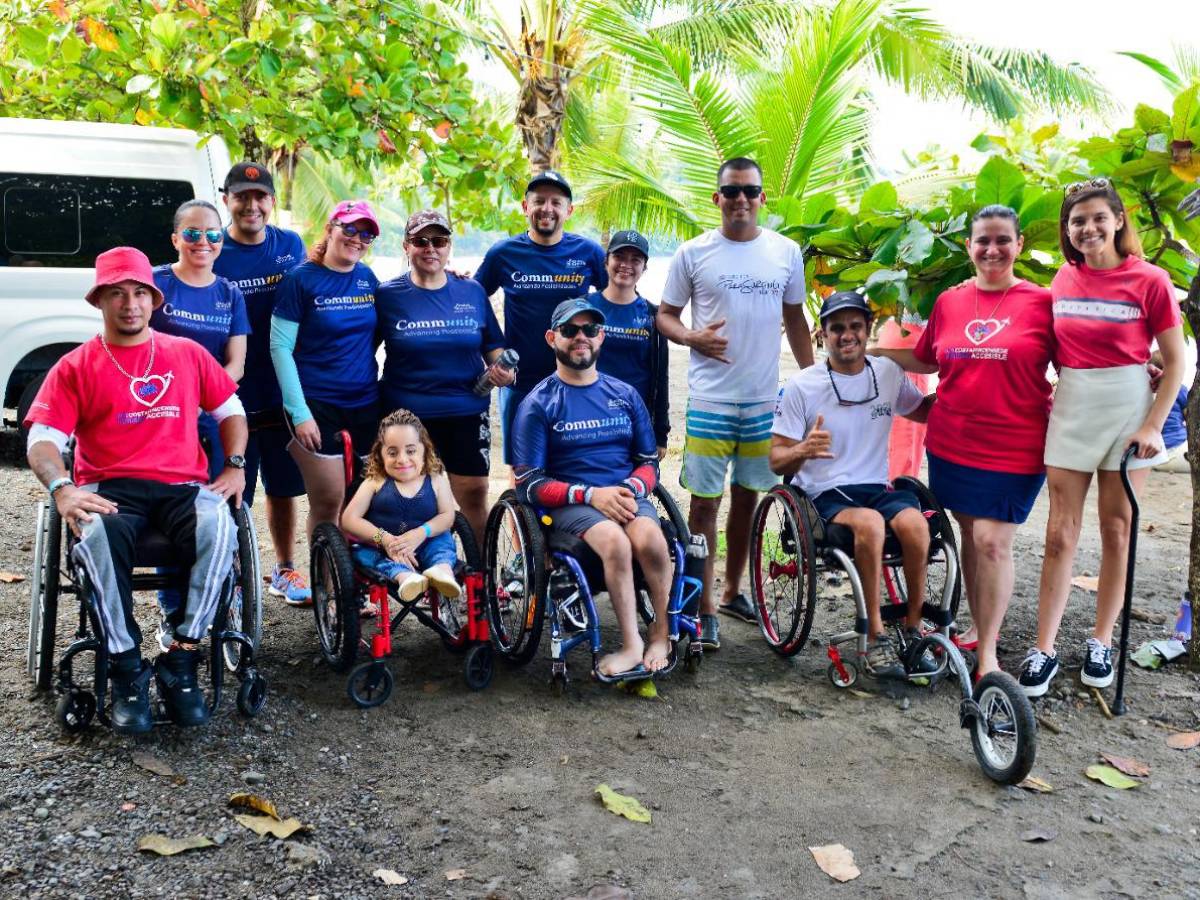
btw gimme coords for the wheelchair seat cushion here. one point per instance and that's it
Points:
(840, 537)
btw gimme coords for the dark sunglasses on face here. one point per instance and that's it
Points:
(439, 241)
(591, 330)
(193, 235)
(353, 231)
(730, 191)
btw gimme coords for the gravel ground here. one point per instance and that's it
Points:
(743, 767)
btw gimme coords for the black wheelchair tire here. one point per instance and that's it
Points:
(479, 667)
(252, 695)
(247, 617)
(1004, 689)
(518, 649)
(332, 572)
(930, 501)
(75, 710)
(792, 637)
(370, 684)
(44, 595)
(468, 561)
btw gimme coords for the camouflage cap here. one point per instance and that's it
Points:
(424, 219)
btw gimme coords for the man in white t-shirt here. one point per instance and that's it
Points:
(831, 432)
(742, 282)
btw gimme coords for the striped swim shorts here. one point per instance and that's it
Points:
(719, 434)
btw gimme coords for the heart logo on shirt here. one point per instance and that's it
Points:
(980, 331)
(149, 390)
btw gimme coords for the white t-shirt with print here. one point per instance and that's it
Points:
(858, 434)
(746, 283)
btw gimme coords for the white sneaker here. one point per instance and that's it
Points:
(441, 579)
(413, 586)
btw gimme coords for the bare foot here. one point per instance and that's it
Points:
(968, 636)
(658, 654)
(622, 661)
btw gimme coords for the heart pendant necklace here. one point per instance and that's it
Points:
(133, 379)
(980, 331)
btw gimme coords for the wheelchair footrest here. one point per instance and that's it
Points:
(968, 712)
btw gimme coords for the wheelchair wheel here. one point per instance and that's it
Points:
(75, 710)
(370, 684)
(245, 607)
(938, 568)
(335, 597)
(252, 695)
(836, 679)
(453, 613)
(479, 667)
(1004, 736)
(783, 565)
(514, 572)
(43, 601)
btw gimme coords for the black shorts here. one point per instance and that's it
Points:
(464, 443)
(362, 422)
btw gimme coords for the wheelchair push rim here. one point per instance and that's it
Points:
(335, 597)
(514, 579)
(783, 565)
(245, 606)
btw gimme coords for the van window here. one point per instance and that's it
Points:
(68, 220)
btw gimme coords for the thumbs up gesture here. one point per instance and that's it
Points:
(818, 444)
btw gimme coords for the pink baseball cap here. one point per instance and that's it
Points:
(123, 264)
(354, 211)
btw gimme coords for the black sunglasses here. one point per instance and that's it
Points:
(439, 241)
(844, 402)
(591, 330)
(353, 231)
(730, 191)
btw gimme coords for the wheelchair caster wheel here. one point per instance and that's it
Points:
(692, 662)
(836, 679)
(1004, 731)
(76, 710)
(479, 667)
(252, 695)
(558, 684)
(370, 684)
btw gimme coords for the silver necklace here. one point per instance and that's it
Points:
(980, 326)
(120, 368)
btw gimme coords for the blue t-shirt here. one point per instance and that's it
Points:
(628, 353)
(1174, 431)
(435, 343)
(535, 279)
(335, 346)
(257, 270)
(210, 316)
(594, 435)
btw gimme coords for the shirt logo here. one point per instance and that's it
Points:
(576, 263)
(979, 331)
(363, 284)
(149, 390)
(1123, 311)
(285, 258)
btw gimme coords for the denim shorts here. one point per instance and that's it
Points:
(435, 550)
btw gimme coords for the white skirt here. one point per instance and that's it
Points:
(1094, 414)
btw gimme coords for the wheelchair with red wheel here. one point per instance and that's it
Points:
(342, 588)
(793, 551)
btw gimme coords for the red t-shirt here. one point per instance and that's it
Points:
(1108, 317)
(993, 399)
(144, 428)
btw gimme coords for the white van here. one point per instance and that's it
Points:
(68, 192)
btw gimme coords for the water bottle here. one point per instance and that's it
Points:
(693, 573)
(1183, 624)
(507, 360)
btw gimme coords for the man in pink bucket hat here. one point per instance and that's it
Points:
(130, 397)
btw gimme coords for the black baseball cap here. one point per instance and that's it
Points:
(629, 238)
(550, 177)
(840, 300)
(568, 309)
(249, 176)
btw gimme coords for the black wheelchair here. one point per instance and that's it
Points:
(534, 573)
(234, 641)
(793, 551)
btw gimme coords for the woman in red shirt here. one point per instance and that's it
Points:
(1109, 306)
(990, 341)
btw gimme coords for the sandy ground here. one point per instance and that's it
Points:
(743, 766)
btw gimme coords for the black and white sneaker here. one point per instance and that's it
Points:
(1097, 668)
(1036, 672)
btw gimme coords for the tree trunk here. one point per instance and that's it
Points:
(1191, 309)
(541, 108)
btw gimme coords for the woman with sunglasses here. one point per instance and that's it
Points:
(441, 336)
(1109, 306)
(202, 306)
(323, 348)
(990, 340)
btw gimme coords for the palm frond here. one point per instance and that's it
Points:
(715, 31)
(623, 191)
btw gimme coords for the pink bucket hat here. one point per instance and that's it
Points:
(354, 211)
(123, 264)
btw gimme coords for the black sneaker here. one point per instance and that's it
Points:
(1036, 672)
(1097, 668)
(917, 663)
(131, 698)
(740, 608)
(882, 660)
(179, 689)
(710, 632)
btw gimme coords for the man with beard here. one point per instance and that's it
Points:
(830, 434)
(584, 451)
(538, 270)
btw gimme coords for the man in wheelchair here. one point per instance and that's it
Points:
(584, 451)
(130, 397)
(831, 435)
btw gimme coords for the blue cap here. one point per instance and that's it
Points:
(568, 309)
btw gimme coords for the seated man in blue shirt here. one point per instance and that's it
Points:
(584, 450)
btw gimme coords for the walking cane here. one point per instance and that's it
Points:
(1118, 706)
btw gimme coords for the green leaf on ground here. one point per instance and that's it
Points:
(1111, 777)
(622, 805)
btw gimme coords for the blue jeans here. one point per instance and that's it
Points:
(435, 550)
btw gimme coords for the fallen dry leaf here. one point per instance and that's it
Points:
(255, 802)
(1184, 740)
(1126, 764)
(863, 694)
(263, 825)
(165, 846)
(388, 876)
(622, 804)
(128, 807)
(11, 577)
(1036, 785)
(152, 763)
(456, 874)
(835, 861)
(1087, 582)
(1038, 835)
(1111, 777)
